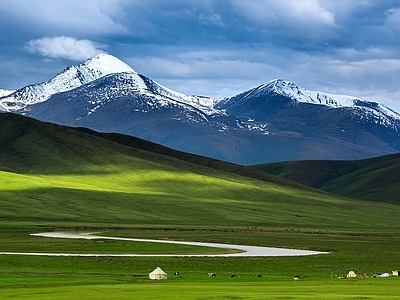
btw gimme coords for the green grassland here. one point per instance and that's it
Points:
(57, 178)
(181, 290)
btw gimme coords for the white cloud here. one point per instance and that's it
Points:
(215, 74)
(183, 67)
(72, 17)
(64, 47)
(352, 54)
(372, 68)
(393, 18)
(302, 25)
(285, 12)
(211, 19)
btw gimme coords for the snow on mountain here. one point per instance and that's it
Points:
(107, 64)
(299, 94)
(72, 77)
(91, 70)
(131, 83)
(4, 93)
(273, 122)
(204, 104)
(302, 95)
(362, 108)
(144, 94)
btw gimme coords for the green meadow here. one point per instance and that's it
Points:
(55, 178)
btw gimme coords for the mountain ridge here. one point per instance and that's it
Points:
(275, 121)
(105, 64)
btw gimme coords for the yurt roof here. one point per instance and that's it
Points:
(158, 270)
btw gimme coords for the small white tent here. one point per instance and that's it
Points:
(158, 274)
(351, 274)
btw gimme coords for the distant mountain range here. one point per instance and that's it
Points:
(277, 121)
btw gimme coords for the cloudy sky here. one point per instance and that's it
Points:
(211, 47)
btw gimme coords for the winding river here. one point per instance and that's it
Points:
(243, 251)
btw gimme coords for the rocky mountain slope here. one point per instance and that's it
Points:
(276, 121)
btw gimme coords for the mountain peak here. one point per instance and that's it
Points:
(70, 78)
(107, 64)
(302, 95)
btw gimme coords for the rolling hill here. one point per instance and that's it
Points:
(57, 157)
(61, 176)
(375, 179)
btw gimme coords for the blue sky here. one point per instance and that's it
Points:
(211, 47)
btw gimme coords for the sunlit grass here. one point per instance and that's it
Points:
(229, 289)
(54, 178)
(182, 198)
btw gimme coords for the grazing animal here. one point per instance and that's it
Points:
(259, 275)
(233, 275)
(211, 274)
(176, 274)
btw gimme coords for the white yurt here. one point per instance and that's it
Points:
(351, 274)
(158, 274)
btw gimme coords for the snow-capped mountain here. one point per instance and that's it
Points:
(374, 110)
(89, 71)
(273, 122)
(72, 77)
(133, 91)
(302, 95)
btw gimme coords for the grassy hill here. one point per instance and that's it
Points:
(60, 175)
(375, 179)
